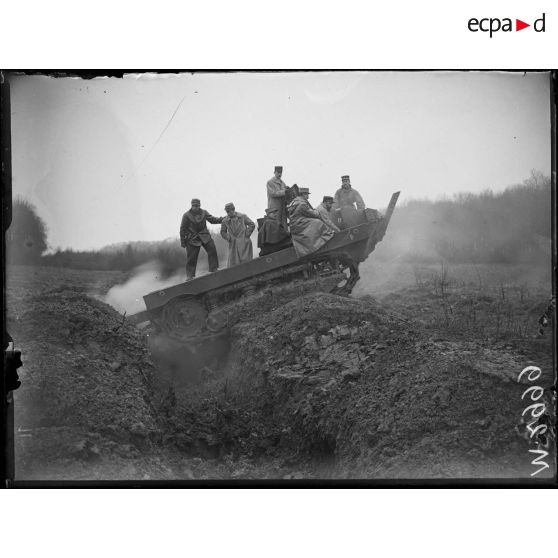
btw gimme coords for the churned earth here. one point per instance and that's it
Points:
(407, 379)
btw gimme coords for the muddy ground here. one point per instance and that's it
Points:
(414, 376)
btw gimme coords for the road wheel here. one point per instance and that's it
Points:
(183, 318)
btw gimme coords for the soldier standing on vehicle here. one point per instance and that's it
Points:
(328, 214)
(347, 196)
(194, 234)
(236, 229)
(276, 190)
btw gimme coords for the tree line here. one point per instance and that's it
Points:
(170, 256)
(505, 227)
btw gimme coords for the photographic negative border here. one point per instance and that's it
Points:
(8, 436)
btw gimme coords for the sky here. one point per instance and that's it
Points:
(112, 160)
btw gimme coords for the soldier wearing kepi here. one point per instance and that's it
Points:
(347, 196)
(236, 229)
(328, 214)
(308, 231)
(276, 190)
(194, 234)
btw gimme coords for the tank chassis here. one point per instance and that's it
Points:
(207, 305)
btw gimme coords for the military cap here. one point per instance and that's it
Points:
(345, 177)
(229, 206)
(303, 191)
(278, 169)
(327, 198)
(271, 210)
(195, 200)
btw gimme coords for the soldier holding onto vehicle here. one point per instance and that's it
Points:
(308, 230)
(194, 234)
(328, 214)
(236, 229)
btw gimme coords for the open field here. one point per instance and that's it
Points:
(414, 376)
(485, 301)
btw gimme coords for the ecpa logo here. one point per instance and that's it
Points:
(494, 24)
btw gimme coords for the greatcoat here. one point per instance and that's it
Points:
(348, 198)
(328, 216)
(308, 231)
(236, 231)
(272, 235)
(276, 198)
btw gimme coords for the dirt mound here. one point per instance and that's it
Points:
(95, 362)
(86, 375)
(349, 389)
(319, 333)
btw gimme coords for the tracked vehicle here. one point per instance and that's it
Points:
(196, 311)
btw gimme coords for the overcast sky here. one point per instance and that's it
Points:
(112, 160)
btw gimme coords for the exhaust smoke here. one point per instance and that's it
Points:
(146, 278)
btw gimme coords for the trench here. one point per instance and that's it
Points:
(326, 387)
(209, 411)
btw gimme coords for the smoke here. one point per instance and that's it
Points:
(146, 278)
(179, 364)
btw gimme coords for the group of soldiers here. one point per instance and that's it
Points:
(307, 229)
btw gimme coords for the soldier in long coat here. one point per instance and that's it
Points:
(276, 190)
(308, 231)
(328, 214)
(347, 196)
(236, 229)
(272, 235)
(194, 235)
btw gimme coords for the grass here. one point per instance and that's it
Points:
(484, 301)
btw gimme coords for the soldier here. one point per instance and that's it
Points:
(347, 196)
(308, 231)
(272, 235)
(194, 234)
(328, 214)
(276, 190)
(236, 229)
